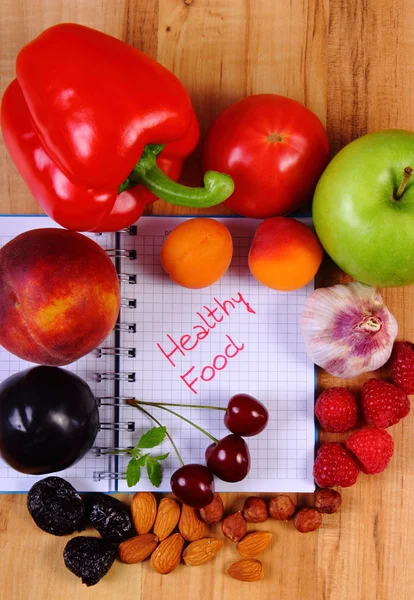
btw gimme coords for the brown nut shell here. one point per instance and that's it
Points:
(213, 512)
(255, 510)
(327, 501)
(282, 507)
(307, 520)
(234, 527)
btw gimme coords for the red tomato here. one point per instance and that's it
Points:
(273, 147)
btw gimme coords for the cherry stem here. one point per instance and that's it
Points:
(160, 425)
(407, 174)
(177, 404)
(176, 414)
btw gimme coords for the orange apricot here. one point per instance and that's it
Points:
(285, 254)
(197, 252)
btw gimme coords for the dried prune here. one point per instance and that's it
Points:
(56, 507)
(111, 517)
(89, 558)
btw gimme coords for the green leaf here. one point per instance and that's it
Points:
(133, 472)
(161, 456)
(143, 460)
(154, 471)
(152, 438)
(135, 452)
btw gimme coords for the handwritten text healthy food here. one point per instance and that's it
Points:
(210, 318)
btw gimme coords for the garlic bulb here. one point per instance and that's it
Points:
(347, 329)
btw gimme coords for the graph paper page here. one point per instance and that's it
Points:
(80, 475)
(251, 344)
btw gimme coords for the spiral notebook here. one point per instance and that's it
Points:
(172, 344)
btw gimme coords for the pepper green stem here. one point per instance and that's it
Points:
(160, 425)
(177, 404)
(176, 414)
(217, 186)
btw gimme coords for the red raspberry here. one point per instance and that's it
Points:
(372, 447)
(383, 404)
(402, 366)
(334, 465)
(336, 410)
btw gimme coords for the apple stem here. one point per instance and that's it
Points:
(407, 174)
(176, 414)
(176, 404)
(160, 425)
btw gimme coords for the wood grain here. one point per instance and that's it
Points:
(350, 62)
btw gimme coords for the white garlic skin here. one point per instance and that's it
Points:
(348, 330)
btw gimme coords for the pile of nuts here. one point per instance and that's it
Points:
(155, 526)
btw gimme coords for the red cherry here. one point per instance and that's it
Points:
(245, 415)
(229, 459)
(193, 484)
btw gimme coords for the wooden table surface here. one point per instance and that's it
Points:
(351, 63)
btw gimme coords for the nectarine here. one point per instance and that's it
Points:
(285, 254)
(197, 252)
(59, 296)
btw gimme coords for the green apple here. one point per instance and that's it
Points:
(363, 208)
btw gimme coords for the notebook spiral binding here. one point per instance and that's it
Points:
(130, 352)
(128, 277)
(117, 253)
(129, 327)
(100, 475)
(131, 230)
(127, 426)
(112, 400)
(128, 302)
(112, 376)
(117, 351)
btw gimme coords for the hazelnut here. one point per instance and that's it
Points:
(213, 512)
(255, 510)
(282, 508)
(234, 527)
(307, 519)
(327, 501)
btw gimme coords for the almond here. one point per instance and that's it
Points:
(201, 551)
(213, 512)
(166, 557)
(137, 548)
(167, 518)
(247, 569)
(254, 543)
(190, 525)
(143, 510)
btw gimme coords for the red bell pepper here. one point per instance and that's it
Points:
(98, 130)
